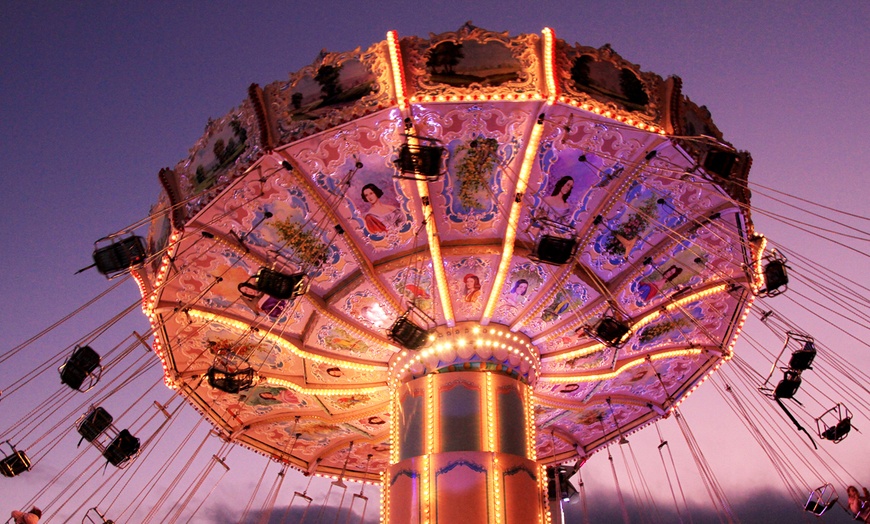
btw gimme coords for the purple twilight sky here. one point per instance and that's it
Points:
(96, 97)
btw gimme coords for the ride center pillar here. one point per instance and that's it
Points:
(463, 432)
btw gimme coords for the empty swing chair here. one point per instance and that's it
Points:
(412, 329)
(15, 463)
(277, 285)
(119, 448)
(821, 500)
(360, 497)
(834, 424)
(82, 370)
(420, 160)
(228, 381)
(94, 516)
(609, 330)
(114, 256)
(775, 275)
(556, 242)
(302, 496)
(337, 483)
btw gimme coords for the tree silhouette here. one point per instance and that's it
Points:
(328, 77)
(445, 55)
(580, 70)
(632, 88)
(219, 149)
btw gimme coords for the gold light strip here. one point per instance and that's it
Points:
(549, 61)
(326, 392)
(435, 254)
(490, 419)
(427, 496)
(430, 414)
(574, 354)
(606, 376)
(531, 449)
(394, 431)
(385, 495)
(398, 72)
(542, 496)
(678, 303)
(271, 337)
(640, 323)
(758, 276)
(513, 222)
(496, 487)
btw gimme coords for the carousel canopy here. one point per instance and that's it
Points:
(541, 209)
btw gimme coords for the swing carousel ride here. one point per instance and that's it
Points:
(442, 264)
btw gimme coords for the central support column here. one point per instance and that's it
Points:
(463, 433)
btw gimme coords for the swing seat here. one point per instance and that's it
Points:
(275, 284)
(821, 500)
(82, 365)
(408, 334)
(839, 431)
(120, 255)
(802, 359)
(775, 277)
(230, 381)
(609, 331)
(122, 450)
(15, 464)
(421, 162)
(788, 386)
(95, 422)
(554, 250)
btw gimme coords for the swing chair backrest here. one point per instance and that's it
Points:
(230, 381)
(14, 464)
(83, 365)
(802, 359)
(120, 255)
(94, 423)
(554, 250)
(821, 500)
(123, 449)
(420, 162)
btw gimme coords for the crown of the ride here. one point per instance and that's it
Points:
(504, 247)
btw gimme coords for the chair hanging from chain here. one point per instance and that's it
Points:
(15, 463)
(337, 483)
(94, 516)
(360, 497)
(93, 424)
(421, 160)
(412, 330)
(303, 496)
(556, 250)
(835, 424)
(82, 370)
(119, 255)
(609, 330)
(775, 275)
(821, 500)
(219, 377)
(277, 285)
(118, 447)
(122, 450)
(802, 359)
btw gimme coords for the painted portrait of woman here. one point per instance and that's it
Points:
(518, 292)
(381, 217)
(557, 206)
(472, 287)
